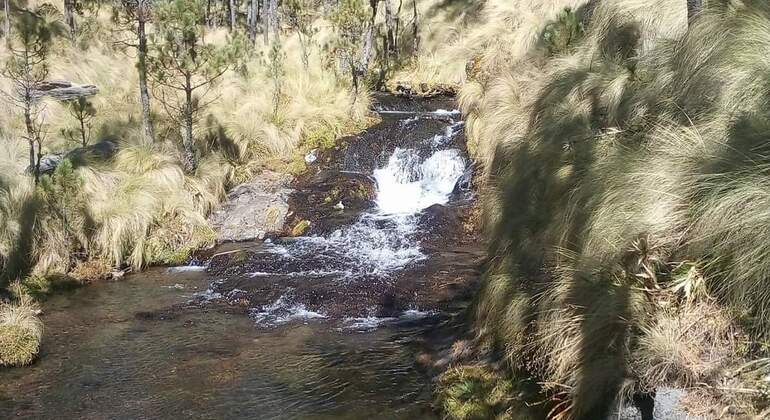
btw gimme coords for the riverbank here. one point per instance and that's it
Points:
(325, 325)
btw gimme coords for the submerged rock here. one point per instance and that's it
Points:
(254, 209)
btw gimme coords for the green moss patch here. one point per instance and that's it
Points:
(473, 393)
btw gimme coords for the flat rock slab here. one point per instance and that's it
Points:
(254, 209)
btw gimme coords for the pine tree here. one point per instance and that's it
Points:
(27, 69)
(84, 112)
(349, 20)
(134, 15)
(181, 64)
(299, 15)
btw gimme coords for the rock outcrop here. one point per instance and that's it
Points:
(62, 90)
(254, 209)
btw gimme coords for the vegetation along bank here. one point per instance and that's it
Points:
(622, 146)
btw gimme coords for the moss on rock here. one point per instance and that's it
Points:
(473, 393)
(300, 228)
(40, 286)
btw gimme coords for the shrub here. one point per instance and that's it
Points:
(564, 33)
(20, 333)
(40, 286)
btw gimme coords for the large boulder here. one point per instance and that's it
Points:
(254, 209)
(62, 90)
(81, 156)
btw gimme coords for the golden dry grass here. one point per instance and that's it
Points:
(606, 165)
(135, 199)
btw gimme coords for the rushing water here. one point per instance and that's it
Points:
(316, 327)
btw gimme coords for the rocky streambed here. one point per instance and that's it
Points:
(326, 324)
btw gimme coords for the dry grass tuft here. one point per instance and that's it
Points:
(20, 333)
(686, 346)
(91, 271)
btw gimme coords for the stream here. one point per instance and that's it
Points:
(328, 325)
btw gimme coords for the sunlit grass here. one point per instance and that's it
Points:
(20, 332)
(141, 206)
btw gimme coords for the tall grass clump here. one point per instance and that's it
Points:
(610, 165)
(20, 332)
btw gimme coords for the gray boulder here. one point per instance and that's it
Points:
(63, 90)
(254, 209)
(48, 163)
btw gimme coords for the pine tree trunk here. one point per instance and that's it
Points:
(83, 132)
(189, 151)
(144, 92)
(232, 15)
(265, 21)
(694, 7)
(251, 19)
(390, 24)
(273, 12)
(366, 53)
(415, 34)
(69, 16)
(30, 134)
(7, 31)
(354, 74)
(398, 22)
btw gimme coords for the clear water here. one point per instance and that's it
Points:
(102, 361)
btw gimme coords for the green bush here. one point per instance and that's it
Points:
(563, 34)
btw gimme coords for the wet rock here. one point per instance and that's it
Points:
(329, 199)
(424, 90)
(254, 209)
(465, 183)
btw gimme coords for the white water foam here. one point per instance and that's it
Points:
(372, 322)
(380, 242)
(282, 311)
(365, 323)
(406, 185)
(186, 268)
